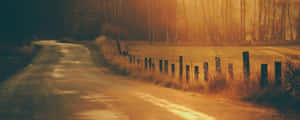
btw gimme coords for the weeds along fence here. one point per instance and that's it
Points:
(194, 71)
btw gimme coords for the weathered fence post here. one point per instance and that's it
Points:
(205, 66)
(160, 65)
(153, 67)
(230, 71)
(196, 72)
(150, 64)
(173, 69)
(133, 59)
(180, 67)
(166, 66)
(130, 59)
(146, 61)
(119, 46)
(278, 73)
(264, 75)
(187, 73)
(218, 67)
(246, 65)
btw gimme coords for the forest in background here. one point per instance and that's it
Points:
(194, 21)
(169, 21)
(217, 21)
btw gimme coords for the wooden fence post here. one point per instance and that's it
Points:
(196, 72)
(173, 69)
(187, 73)
(133, 59)
(246, 66)
(181, 66)
(150, 64)
(205, 66)
(230, 71)
(160, 65)
(278, 73)
(130, 59)
(146, 61)
(218, 67)
(153, 67)
(166, 66)
(264, 75)
(124, 53)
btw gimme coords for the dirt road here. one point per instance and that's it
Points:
(63, 83)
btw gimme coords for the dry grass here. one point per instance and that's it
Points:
(120, 64)
(272, 94)
(282, 96)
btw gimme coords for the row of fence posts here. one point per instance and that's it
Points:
(264, 71)
(149, 65)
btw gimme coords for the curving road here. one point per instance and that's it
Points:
(63, 83)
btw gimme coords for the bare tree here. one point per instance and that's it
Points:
(213, 21)
(243, 20)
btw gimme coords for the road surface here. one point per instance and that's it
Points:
(63, 83)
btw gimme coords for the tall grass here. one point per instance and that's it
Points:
(250, 90)
(120, 64)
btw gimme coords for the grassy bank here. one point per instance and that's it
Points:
(280, 97)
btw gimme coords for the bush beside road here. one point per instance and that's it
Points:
(14, 58)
